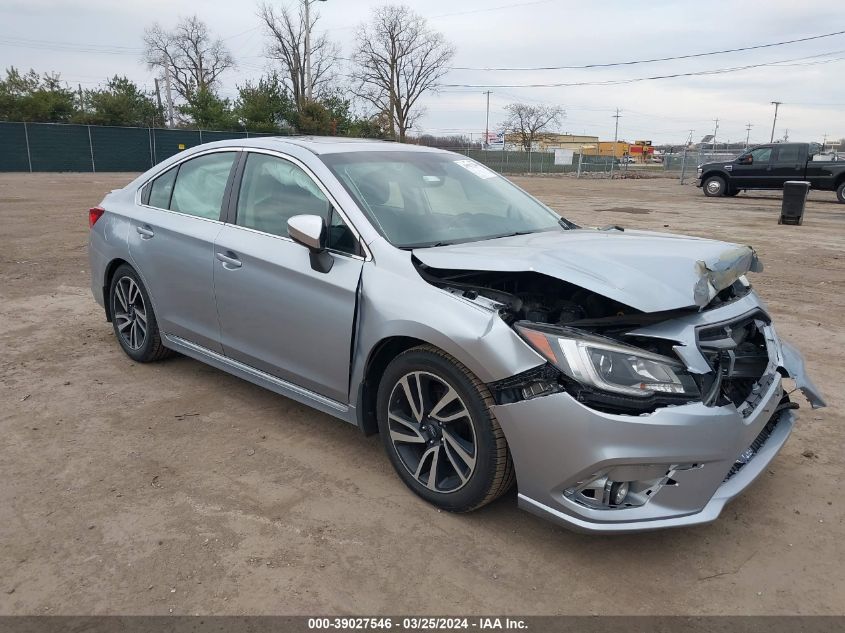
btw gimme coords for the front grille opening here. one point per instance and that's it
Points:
(738, 353)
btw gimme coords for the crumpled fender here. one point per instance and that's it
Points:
(793, 363)
(722, 272)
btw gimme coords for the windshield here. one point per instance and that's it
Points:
(419, 199)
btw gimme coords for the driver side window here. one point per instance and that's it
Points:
(761, 154)
(273, 190)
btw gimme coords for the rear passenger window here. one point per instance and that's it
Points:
(161, 189)
(789, 154)
(200, 185)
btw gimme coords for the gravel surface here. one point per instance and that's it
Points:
(173, 487)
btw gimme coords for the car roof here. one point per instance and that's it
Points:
(324, 144)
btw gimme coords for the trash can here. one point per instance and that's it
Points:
(795, 194)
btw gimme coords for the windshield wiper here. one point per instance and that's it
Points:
(408, 247)
(567, 224)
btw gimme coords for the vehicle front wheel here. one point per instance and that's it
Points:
(134, 321)
(439, 432)
(840, 193)
(714, 187)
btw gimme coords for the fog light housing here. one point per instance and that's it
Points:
(618, 492)
(624, 486)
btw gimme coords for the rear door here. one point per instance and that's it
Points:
(756, 173)
(788, 163)
(171, 242)
(277, 314)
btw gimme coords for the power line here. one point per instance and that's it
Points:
(656, 59)
(614, 82)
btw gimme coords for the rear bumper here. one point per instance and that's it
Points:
(701, 453)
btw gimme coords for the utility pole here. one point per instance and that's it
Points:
(824, 142)
(715, 132)
(81, 100)
(168, 96)
(748, 127)
(777, 105)
(786, 136)
(615, 141)
(487, 124)
(158, 99)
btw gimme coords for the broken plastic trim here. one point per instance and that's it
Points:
(534, 383)
(715, 276)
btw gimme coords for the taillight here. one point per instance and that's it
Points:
(94, 214)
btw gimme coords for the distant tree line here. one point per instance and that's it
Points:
(397, 58)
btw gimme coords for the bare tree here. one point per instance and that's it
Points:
(397, 59)
(286, 33)
(193, 59)
(530, 121)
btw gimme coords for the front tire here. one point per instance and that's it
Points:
(840, 192)
(732, 192)
(440, 434)
(133, 319)
(714, 187)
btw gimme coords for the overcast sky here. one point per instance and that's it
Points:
(89, 40)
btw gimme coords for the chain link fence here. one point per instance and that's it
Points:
(46, 147)
(518, 162)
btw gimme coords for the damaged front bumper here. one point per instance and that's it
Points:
(682, 463)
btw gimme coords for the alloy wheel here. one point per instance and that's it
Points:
(130, 313)
(432, 431)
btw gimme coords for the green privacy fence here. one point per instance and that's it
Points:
(38, 147)
(94, 148)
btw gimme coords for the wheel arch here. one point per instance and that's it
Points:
(715, 172)
(113, 265)
(377, 361)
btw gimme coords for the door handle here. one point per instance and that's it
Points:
(145, 232)
(229, 259)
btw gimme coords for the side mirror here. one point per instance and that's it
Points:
(310, 231)
(745, 160)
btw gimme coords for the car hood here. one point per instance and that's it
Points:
(645, 270)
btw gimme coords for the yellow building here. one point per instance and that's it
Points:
(606, 148)
(547, 142)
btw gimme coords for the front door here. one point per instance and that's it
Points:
(171, 242)
(276, 312)
(754, 173)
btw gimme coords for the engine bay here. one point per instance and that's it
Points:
(527, 297)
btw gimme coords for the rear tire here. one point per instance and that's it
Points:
(133, 319)
(731, 193)
(436, 422)
(840, 192)
(714, 187)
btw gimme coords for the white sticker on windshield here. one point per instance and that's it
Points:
(479, 170)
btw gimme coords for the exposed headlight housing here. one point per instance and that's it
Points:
(610, 366)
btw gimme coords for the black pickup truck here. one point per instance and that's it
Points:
(769, 166)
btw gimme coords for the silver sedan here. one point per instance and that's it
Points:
(626, 380)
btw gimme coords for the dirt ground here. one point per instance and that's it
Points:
(173, 487)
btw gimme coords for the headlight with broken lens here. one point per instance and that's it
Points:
(610, 366)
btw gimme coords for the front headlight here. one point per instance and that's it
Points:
(608, 365)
